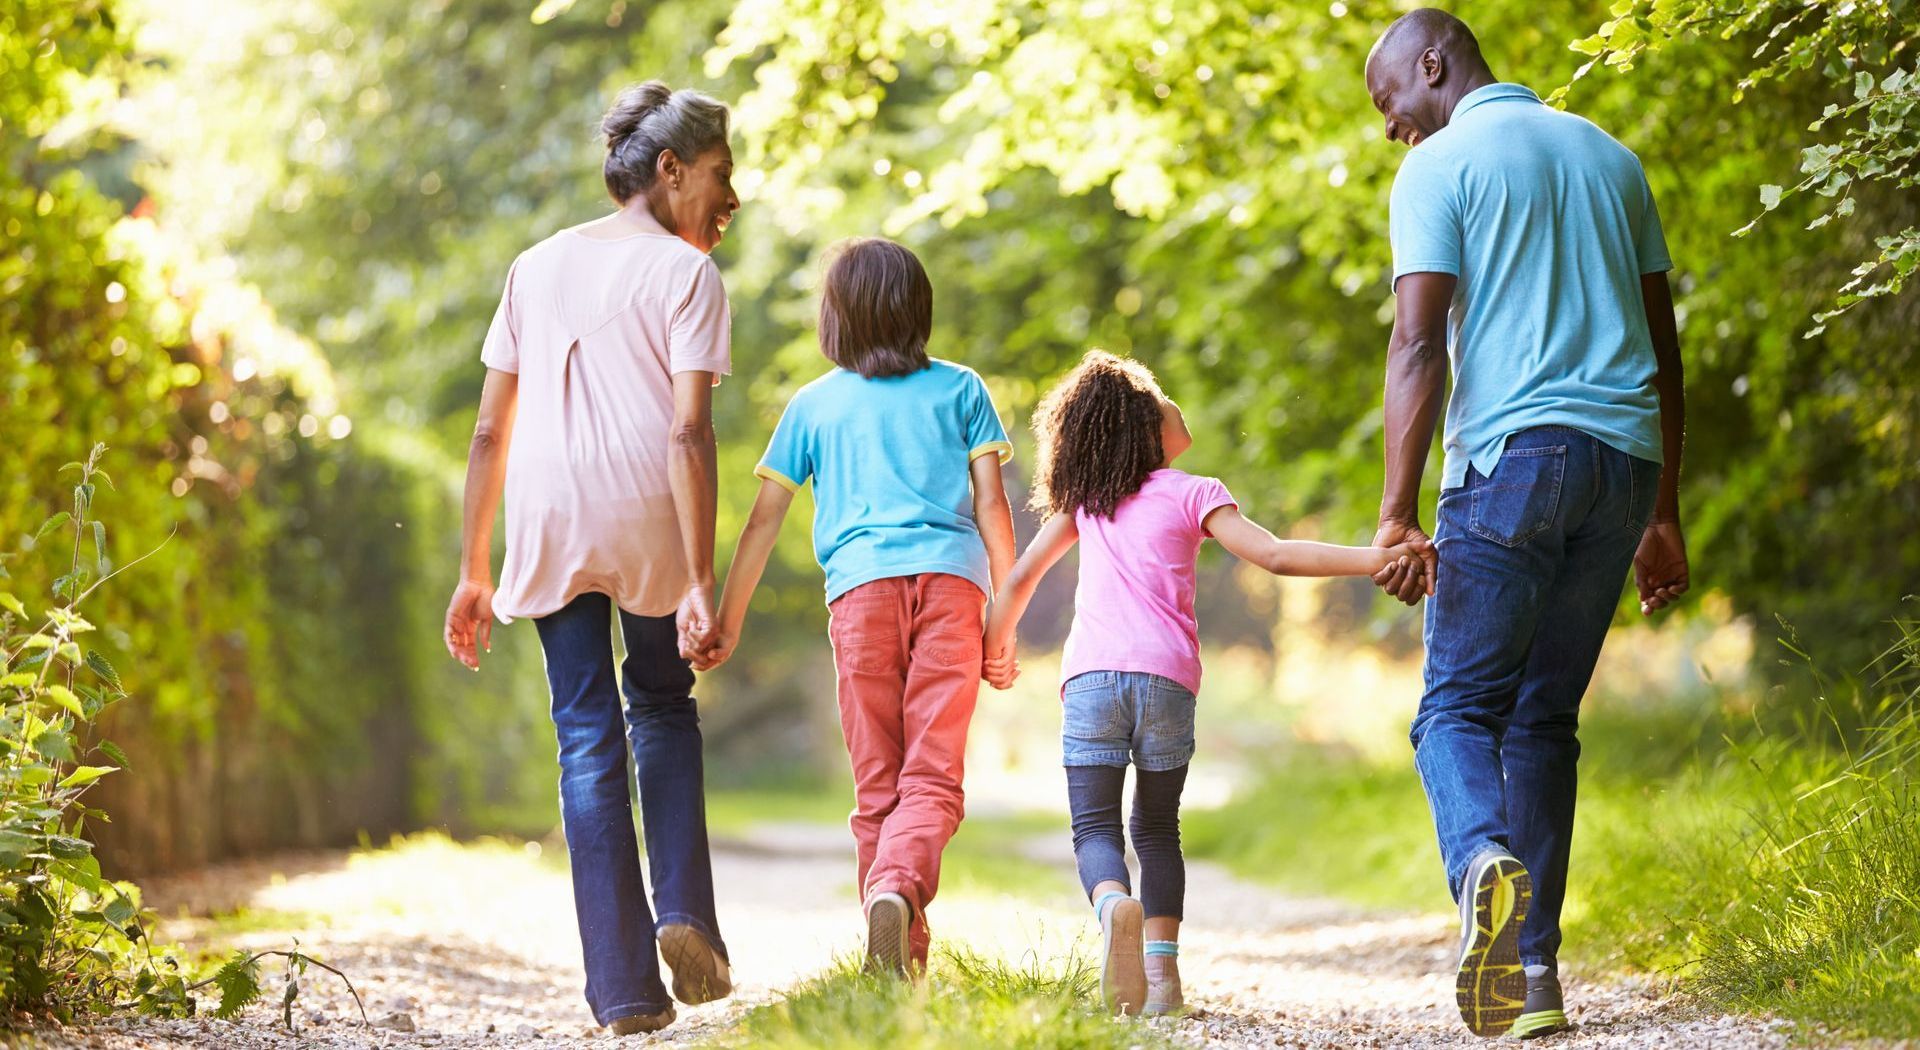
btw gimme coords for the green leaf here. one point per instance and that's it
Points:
(121, 911)
(12, 604)
(86, 775)
(101, 666)
(15, 845)
(100, 547)
(65, 697)
(51, 524)
(1770, 196)
(239, 984)
(54, 744)
(112, 751)
(67, 847)
(18, 680)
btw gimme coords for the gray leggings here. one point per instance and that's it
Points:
(1093, 795)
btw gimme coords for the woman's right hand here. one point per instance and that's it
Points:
(469, 629)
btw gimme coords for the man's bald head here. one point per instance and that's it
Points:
(1420, 68)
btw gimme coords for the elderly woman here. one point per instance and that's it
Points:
(596, 418)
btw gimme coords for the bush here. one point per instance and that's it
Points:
(71, 942)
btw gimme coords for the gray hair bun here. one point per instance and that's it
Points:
(648, 118)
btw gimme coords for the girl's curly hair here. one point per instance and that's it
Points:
(1099, 436)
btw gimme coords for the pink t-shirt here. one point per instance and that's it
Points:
(1133, 610)
(596, 329)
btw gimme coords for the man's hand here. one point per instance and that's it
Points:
(1002, 666)
(469, 629)
(1660, 566)
(1406, 586)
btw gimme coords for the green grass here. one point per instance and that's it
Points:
(1773, 870)
(734, 811)
(965, 1002)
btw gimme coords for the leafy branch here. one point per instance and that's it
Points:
(1879, 131)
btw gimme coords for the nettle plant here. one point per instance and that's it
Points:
(72, 942)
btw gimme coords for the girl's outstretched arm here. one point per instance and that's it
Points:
(993, 516)
(1010, 603)
(749, 561)
(1250, 542)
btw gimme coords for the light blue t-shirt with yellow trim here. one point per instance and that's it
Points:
(889, 459)
(1548, 224)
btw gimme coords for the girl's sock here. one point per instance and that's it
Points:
(1163, 948)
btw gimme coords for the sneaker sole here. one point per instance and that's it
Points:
(1539, 1023)
(636, 1024)
(887, 937)
(1492, 984)
(1123, 967)
(696, 976)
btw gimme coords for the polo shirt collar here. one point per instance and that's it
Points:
(1489, 93)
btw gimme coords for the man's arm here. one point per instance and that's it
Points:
(1660, 569)
(1416, 389)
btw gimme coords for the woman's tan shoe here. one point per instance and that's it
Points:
(700, 975)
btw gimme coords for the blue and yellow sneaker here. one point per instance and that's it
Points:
(1492, 985)
(1545, 1011)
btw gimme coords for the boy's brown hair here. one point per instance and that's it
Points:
(1099, 436)
(876, 309)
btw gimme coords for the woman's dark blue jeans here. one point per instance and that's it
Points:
(594, 727)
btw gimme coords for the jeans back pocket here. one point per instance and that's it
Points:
(1522, 498)
(1094, 708)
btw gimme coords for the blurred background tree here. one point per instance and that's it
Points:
(256, 247)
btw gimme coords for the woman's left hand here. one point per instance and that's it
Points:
(469, 629)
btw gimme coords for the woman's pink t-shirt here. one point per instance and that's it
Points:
(596, 330)
(1133, 610)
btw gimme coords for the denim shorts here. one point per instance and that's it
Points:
(1111, 716)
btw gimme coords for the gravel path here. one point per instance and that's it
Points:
(474, 946)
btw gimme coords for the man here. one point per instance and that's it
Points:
(1526, 247)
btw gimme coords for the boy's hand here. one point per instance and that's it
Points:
(1001, 667)
(716, 652)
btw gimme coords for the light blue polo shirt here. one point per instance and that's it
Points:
(889, 459)
(1548, 224)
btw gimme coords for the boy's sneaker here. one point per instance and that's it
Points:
(887, 919)
(1492, 985)
(700, 975)
(1123, 971)
(1545, 1012)
(637, 1023)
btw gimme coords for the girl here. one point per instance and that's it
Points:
(912, 526)
(1131, 668)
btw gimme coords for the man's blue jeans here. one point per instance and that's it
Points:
(1532, 560)
(660, 721)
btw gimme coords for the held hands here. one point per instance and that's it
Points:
(1413, 564)
(469, 627)
(1002, 664)
(702, 643)
(1660, 566)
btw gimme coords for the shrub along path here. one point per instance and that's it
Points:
(474, 946)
